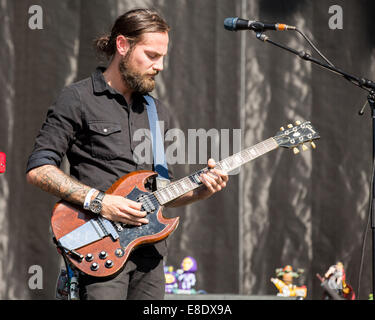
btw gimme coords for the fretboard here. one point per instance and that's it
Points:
(189, 183)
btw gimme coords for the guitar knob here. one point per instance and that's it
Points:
(290, 126)
(89, 257)
(313, 145)
(103, 255)
(94, 266)
(296, 150)
(109, 264)
(282, 129)
(119, 252)
(298, 122)
(304, 148)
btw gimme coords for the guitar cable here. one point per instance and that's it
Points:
(314, 47)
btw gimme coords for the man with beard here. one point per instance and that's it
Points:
(92, 123)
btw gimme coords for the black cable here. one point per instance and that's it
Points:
(347, 77)
(314, 47)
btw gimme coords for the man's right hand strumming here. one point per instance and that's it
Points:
(120, 209)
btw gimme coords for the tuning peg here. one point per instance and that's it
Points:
(298, 122)
(304, 148)
(290, 126)
(313, 145)
(282, 129)
(296, 150)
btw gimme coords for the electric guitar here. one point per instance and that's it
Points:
(100, 247)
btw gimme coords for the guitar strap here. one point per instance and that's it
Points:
(160, 163)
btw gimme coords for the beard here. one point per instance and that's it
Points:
(134, 80)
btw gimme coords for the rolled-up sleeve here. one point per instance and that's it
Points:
(63, 121)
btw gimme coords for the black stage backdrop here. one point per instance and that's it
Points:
(308, 210)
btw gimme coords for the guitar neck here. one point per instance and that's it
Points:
(189, 183)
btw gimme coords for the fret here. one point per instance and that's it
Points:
(237, 159)
(219, 165)
(246, 155)
(252, 153)
(184, 185)
(273, 143)
(171, 190)
(241, 157)
(160, 197)
(164, 195)
(195, 178)
(225, 165)
(191, 182)
(175, 190)
(169, 193)
(260, 148)
(230, 163)
(180, 188)
(264, 147)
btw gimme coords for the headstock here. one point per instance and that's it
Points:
(294, 136)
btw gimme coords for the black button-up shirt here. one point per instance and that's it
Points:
(92, 124)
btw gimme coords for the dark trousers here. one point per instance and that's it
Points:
(142, 278)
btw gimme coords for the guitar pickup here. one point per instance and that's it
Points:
(147, 203)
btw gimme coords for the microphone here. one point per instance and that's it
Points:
(235, 24)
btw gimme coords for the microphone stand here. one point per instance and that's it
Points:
(364, 84)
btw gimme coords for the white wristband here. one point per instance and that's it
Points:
(86, 204)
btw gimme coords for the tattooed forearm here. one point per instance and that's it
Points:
(51, 179)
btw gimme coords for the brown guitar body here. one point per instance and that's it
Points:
(67, 217)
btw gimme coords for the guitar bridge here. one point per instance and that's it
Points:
(91, 231)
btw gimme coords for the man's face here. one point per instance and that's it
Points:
(144, 61)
